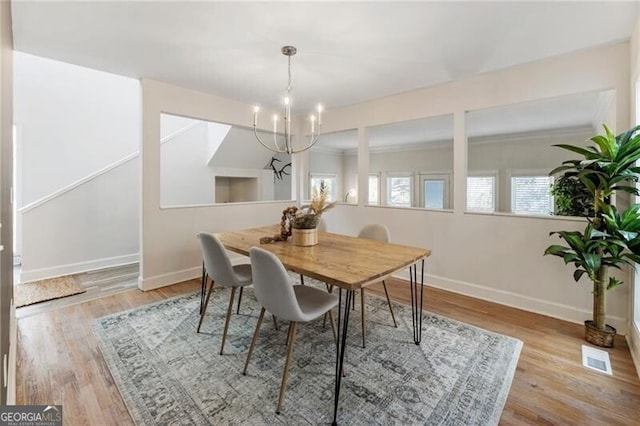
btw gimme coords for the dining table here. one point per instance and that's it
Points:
(349, 264)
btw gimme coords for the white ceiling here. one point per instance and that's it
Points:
(347, 52)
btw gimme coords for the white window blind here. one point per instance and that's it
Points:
(481, 193)
(531, 195)
(399, 191)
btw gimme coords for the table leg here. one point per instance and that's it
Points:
(203, 288)
(416, 301)
(340, 346)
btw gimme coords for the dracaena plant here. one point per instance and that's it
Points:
(611, 238)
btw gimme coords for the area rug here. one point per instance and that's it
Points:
(170, 375)
(40, 291)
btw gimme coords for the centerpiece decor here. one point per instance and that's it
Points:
(304, 222)
(611, 238)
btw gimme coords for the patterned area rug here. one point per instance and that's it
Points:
(168, 374)
(40, 291)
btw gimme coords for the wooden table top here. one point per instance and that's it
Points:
(347, 262)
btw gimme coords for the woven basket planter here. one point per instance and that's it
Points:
(598, 337)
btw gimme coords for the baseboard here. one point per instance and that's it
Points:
(170, 278)
(76, 268)
(514, 300)
(163, 280)
(633, 340)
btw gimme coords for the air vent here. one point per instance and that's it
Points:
(596, 359)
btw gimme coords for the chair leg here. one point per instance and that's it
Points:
(333, 325)
(324, 320)
(301, 279)
(393, 317)
(253, 342)
(226, 322)
(364, 335)
(239, 299)
(203, 288)
(206, 303)
(285, 373)
(275, 323)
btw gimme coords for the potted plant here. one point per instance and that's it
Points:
(571, 197)
(611, 238)
(304, 222)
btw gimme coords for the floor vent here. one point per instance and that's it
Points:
(596, 359)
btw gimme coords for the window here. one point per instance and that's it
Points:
(329, 182)
(399, 191)
(531, 195)
(481, 193)
(434, 191)
(433, 194)
(374, 189)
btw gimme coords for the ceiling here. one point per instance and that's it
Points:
(347, 52)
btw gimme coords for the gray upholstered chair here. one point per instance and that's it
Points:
(219, 269)
(291, 303)
(380, 233)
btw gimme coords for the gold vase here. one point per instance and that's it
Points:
(304, 237)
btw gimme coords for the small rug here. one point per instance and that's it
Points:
(40, 291)
(170, 375)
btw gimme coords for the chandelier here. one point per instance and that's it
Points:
(284, 144)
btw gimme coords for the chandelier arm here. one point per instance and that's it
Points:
(277, 145)
(312, 143)
(255, 132)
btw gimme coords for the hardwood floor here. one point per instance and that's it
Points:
(59, 361)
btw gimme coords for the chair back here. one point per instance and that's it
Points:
(272, 287)
(376, 232)
(216, 261)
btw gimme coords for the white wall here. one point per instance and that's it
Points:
(204, 163)
(497, 257)
(73, 123)
(185, 178)
(169, 249)
(72, 120)
(93, 226)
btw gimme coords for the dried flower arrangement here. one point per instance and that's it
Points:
(306, 217)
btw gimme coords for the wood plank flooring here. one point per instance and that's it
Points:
(59, 361)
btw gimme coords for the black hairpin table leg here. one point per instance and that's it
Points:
(340, 346)
(416, 301)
